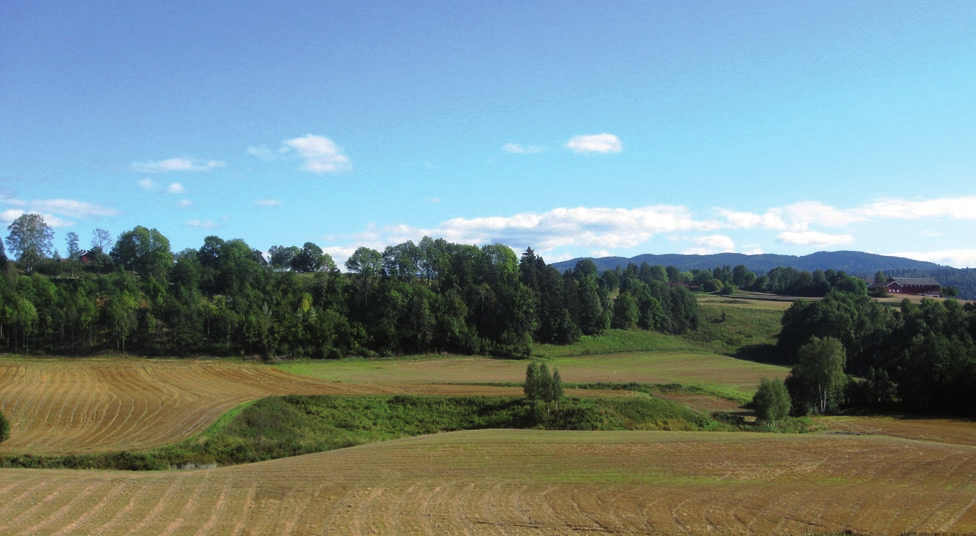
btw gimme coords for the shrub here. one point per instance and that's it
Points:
(772, 401)
(4, 429)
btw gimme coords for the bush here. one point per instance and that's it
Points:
(772, 401)
(4, 429)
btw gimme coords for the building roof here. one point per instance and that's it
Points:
(915, 281)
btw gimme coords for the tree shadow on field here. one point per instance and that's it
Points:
(760, 353)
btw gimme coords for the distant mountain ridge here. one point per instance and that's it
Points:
(852, 262)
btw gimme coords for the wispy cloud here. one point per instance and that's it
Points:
(596, 229)
(203, 224)
(176, 164)
(795, 217)
(175, 188)
(712, 244)
(57, 213)
(268, 203)
(595, 144)
(147, 184)
(801, 216)
(518, 148)
(592, 230)
(49, 219)
(185, 203)
(263, 153)
(958, 208)
(959, 258)
(814, 238)
(320, 154)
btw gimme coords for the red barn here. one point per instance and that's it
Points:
(912, 286)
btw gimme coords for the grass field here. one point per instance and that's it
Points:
(523, 482)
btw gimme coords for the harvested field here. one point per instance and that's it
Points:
(768, 302)
(941, 430)
(70, 406)
(686, 368)
(523, 482)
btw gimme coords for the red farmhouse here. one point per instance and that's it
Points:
(912, 286)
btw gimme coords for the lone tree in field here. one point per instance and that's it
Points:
(816, 382)
(540, 385)
(772, 401)
(4, 429)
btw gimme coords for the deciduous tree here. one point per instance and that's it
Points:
(817, 380)
(144, 251)
(772, 401)
(29, 240)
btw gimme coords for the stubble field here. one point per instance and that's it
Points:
(71, 406)
(869, 475)
(526, 482)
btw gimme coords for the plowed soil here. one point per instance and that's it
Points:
(522, 482)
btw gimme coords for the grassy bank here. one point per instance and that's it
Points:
(278, 427)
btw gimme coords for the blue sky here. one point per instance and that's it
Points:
(574, 128)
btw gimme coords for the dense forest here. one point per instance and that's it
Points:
(921, 356)
(226, 298)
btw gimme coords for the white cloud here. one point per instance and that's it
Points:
(321, 155)
(175, 188)
(11, 214)
(184, 203)
(71, 208)
(50, 219)
(176, 164)
(814, 238)
(518, 148)
(203, 224)
(57, 213)
(749, 220)
(794, 217)
(959, 208)
(598, 229)
(716, 243)
(147, 184)
(595, 143)
(806, 212)
(263, 153)
(958, 258)
(268, 203)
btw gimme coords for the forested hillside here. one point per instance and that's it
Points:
(227, 298)
(855, 263)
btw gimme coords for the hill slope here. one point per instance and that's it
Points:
(853, 262)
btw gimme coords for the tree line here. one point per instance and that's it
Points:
(226, 298)
(918, 357)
